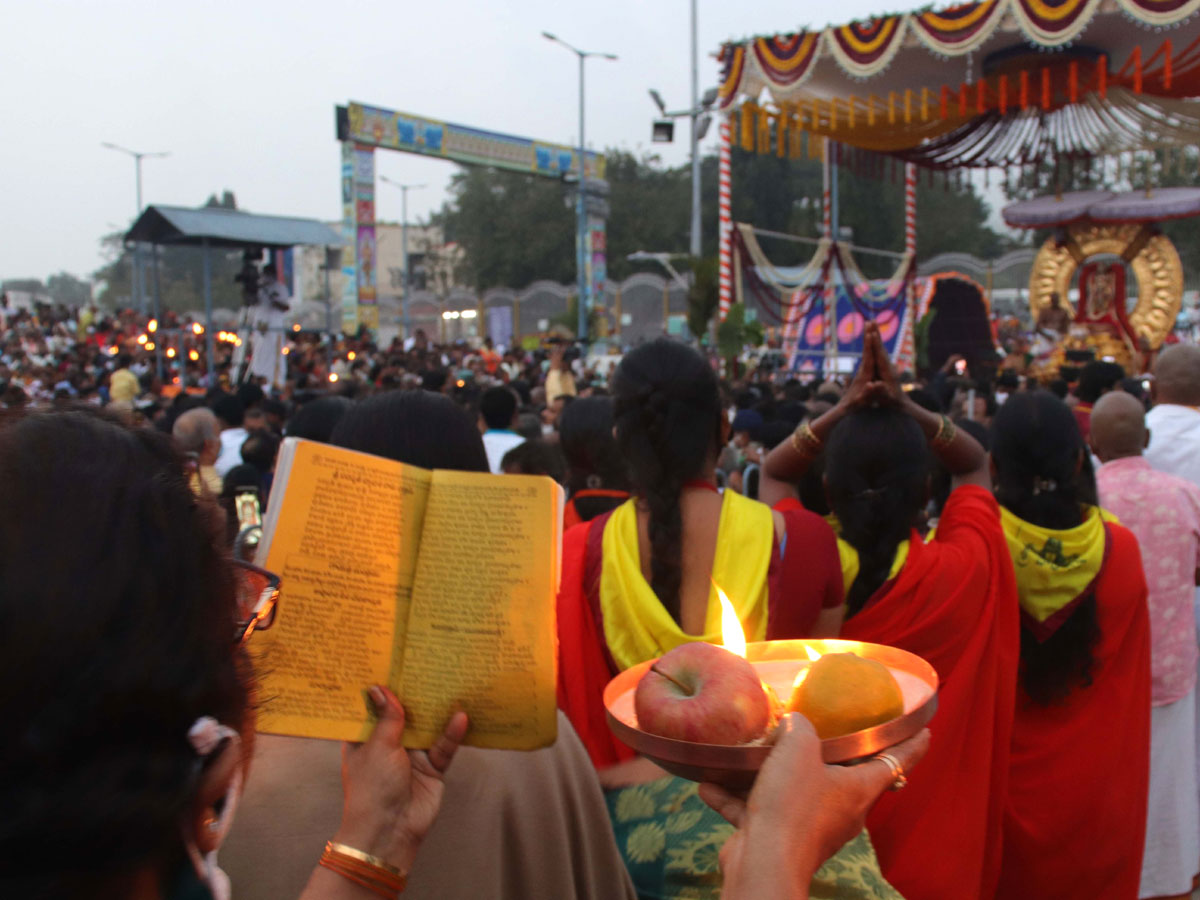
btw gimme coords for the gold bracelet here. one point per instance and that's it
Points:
(945, 434)
(366, 858)
(805, 440)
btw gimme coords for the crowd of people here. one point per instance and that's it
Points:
(1039, 547)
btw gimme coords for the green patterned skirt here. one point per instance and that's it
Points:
(670, 840)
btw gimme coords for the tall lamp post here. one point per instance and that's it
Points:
(138, 287)
(404, 189)
(581, 200)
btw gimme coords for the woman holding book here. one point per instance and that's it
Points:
(640, 580)
(951, 601)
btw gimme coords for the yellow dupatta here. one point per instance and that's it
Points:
(1055, 567)
(848, 557)
(637, 627)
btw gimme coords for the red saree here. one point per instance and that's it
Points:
(955, 604)
(805, 577)
(1075, 821)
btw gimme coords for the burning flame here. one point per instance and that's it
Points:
(813, 656)
(732, 635)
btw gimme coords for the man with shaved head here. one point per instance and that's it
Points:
(1174, 422)
(1163, 511)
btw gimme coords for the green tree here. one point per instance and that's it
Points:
(515, 229)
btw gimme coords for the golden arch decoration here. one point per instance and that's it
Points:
(1156, 266)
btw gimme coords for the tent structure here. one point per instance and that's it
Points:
(1035, 89)
(209, 227)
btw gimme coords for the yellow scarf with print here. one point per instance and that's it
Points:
(637, 627)
(1055, 566)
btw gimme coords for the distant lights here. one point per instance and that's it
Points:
(296, 327)
(351, 355)
(333, 377)
(170, 353)
(112, 351)
(194, 355)
(152, 326)
(197, 328)
(142, 338)
(149, 345)
(287, 350)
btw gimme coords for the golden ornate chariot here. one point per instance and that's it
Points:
(1102, 236)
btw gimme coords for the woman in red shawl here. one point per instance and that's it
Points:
(951, 601)
(1075, 820)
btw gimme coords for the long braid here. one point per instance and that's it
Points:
(666, 409)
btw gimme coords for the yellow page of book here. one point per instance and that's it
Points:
(481, 632)
(345, 546)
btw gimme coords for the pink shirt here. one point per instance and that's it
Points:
(1164, 513)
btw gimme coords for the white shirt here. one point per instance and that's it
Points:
(1174, 440)
(231, 450)
(497, 443)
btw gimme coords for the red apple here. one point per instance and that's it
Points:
(702, 693)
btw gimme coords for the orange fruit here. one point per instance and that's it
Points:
(844, 693)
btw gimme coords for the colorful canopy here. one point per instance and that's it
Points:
(994, 83)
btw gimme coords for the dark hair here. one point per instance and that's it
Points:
(114, 638)
(585, 434)
(316, 420)
(774, 433)
(498, 406)
(250, 394)
(667, 412)
(941, 481)
(1059, 388)
(535, 457)
(926, 399)
(1035, 439)
(229, 409)
(259, 450)
(434, 380)
(1096, 378)
(876, 469)
(415, 427)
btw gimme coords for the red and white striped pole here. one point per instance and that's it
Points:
(725, 221)
(910, 208)
(906, 350)
(829, 294)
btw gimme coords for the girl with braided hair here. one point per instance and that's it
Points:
(639, 581)
(951, 600)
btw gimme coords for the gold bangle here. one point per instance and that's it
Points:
(945, 434)
(805, 440)
(366, 858)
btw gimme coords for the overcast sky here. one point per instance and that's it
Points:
(242, 94)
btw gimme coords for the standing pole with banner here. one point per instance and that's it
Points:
(725, 220)
(350, 242)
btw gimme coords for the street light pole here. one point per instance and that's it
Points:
(404, 189)
(695, 246)
(137, 285)
(581, 236)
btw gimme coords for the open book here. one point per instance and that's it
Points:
(439, 584)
